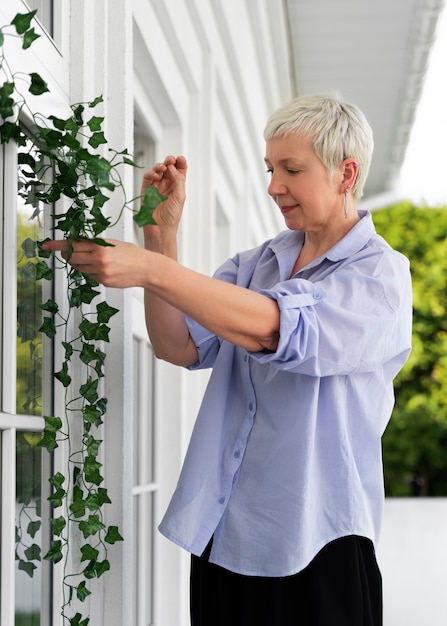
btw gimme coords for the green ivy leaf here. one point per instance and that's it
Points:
(27, 567)
(92, 416)
(89, 553)
(96, 101)
(151, 199)
(78, 505)
(54, 424)
(78, 621)
(57, 497)
(101, 567)
(57, 480)
(95, 123)
(95, 501)
(88, 353)
(99, 222)
(58, 524)
(91, 526)
(82, 295)
(82, 592)
(28, 272)
(91, 470)
(45, 254)
(99, 168)
(11, 131)
(102, 405)
(94, 331)
(54, 554)
(99, 200)
(28, 39)
(89, 571)
(50, 305)
(6, 102)
(63, 375)
(33, 552)
(97, 139)
(26, 329)
(78, 508)
(38, 85)
(29, 248)
(58, 123)
(105, 312)
(92, 445)
(24, 158)
(22, 21)
(43, 271)
(113, 535)
(48, 327)
(48, 442)
(33, 528)
(89, 390)
(78, 494)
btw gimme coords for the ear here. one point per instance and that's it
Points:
(350, 170)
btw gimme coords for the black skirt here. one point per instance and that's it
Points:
(342, 586)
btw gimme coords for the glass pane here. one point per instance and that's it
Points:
(44, 13)
(143, 551)
(144, 426)
(29, 315)
(28, 530)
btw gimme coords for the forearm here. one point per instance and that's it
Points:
(168, 332)
(238, 315)
(166, 324)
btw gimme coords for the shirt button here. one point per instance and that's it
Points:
(237, 454)
(250, 406)
(221, 500)
(245, 357)
(317, 295)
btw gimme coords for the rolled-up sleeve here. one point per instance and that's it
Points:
(354, 320)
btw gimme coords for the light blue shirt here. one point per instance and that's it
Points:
(285, 455)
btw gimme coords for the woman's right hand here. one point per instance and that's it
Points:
(169, 177)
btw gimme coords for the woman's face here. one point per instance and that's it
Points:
(309, 199)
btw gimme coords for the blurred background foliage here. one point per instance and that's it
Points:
(415, 442)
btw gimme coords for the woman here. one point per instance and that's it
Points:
(281, 493)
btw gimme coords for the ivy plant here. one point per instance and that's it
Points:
(66, 162)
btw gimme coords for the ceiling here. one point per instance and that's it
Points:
(374, 53)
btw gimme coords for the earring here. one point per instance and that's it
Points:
(345, 203)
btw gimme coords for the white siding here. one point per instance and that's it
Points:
(201, 77)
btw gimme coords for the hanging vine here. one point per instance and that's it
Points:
(62, 160)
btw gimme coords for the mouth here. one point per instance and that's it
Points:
(287, 208)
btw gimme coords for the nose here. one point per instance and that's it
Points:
(276, 187)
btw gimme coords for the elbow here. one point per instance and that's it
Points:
(269, 344)
(182, 358)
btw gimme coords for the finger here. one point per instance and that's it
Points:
(181, 163)
(60, 245)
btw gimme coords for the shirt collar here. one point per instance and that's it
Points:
(351, 243)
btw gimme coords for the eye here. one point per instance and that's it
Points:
(269, 171)
(292, 172)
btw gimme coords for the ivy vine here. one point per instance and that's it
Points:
(62, 160)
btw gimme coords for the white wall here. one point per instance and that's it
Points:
(412, 555)
(206, 76)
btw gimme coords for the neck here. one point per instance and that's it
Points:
(319, 242)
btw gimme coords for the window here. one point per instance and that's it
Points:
(44, 13)
(25, 393)
(145, 487)
(144, 480)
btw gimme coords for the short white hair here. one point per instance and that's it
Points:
(337, 130)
